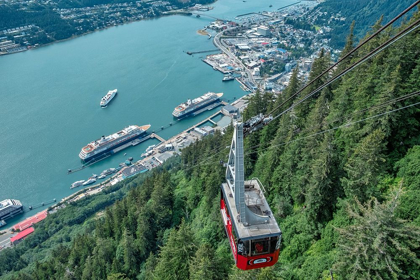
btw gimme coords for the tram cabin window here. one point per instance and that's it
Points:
(260, 246)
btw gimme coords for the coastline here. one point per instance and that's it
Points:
(74, 37)
(174, 12)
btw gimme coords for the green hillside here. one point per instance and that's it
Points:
(339, 15)
(342, 174)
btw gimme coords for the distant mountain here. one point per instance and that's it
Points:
(339, 14)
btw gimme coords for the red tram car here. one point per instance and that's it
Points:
(253, 232)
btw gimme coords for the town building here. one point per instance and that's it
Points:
(21, 235)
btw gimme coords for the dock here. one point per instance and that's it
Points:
(191, 53)
(73, 170)
(154, 135)
(131, 143)
(288, 6)
(202, 122)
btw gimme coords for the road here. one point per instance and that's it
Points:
(218, 43)
(5, 238)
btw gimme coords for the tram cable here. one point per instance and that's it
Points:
(338, 127)
(348, 54)
(392, 40)
(388, 43)
(254, 149)
(253, 233)
(372, 108)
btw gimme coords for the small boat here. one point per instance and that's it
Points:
(108, 97)
(146, 154)
(105, 172)
(77, 184)
(2, 223)
(102, 176)
(94, 176)
(130, 158)
(91, 180)
(228, 78)
(150, 148)
(112, 170)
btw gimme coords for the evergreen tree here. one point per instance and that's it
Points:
(204, 264)
(148, 268)
(409, 171)
(364, 167)
(378, 245)
(175, 256)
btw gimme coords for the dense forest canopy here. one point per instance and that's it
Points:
(342, 176)
(363, 12)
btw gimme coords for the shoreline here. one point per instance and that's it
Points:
(74, 37)
(174, 12)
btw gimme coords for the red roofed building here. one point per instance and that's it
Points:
(30, 221)
(21, 235)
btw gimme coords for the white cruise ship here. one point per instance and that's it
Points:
(107, 145)
(10, 208)
(108, 97)
(187, 108)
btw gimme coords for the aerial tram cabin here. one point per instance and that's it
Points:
(253, 233)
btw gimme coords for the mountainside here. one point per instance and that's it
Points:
(342, 176)
(340, 14)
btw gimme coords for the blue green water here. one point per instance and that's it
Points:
(49, 97)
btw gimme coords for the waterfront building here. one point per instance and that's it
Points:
(21, 235)
(263, 31)
(229, 110)
(30, 221)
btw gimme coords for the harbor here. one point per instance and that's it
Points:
(159, 153)
(62, 118)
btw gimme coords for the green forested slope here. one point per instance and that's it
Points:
(363, 12)
(346, 196)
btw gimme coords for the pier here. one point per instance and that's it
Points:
(154, 135)
(73, 170)
(202, 122)
(191, 53)
(288, 6)
(42, 204)
(190, 13)
(247, 14)
(254, 13)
